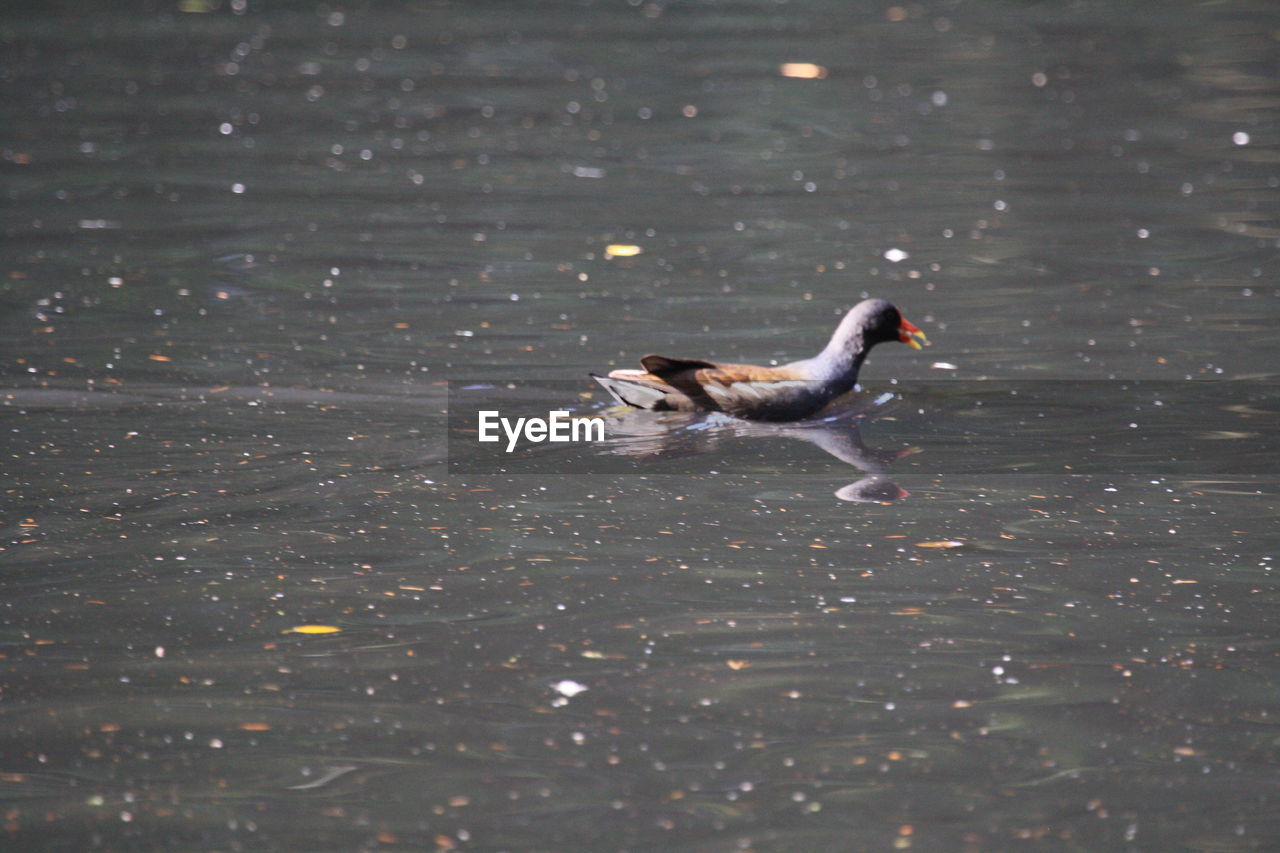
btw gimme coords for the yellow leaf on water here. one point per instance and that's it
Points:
(942, 543)
(802, 70)
(313, 629)
(621, 250)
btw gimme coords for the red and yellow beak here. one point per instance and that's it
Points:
(911, 336)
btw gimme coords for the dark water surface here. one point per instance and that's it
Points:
(261, 593)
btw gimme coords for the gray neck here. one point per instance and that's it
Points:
(839, 362)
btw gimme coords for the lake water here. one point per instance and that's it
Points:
(264, 591)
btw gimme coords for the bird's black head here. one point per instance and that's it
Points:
(878, 321)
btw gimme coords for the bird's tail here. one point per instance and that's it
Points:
(633, 392)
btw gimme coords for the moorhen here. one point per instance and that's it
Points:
(786, 393)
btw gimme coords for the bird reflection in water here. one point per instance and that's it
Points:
(668, 435)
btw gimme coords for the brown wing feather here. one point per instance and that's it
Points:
(740, 389)
(727, 374)
(708, 371)
(660, 365)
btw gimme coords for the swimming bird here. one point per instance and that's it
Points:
(786, 393)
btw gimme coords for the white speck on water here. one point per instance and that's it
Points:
(569, 688)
